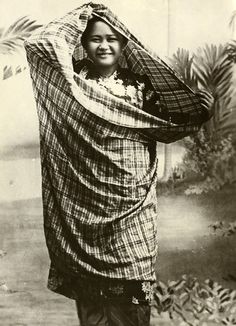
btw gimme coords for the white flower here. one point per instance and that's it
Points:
(103, 83)
(141, 86)
(113, 85)
(131, 92)
(119, 81)
(118, 90)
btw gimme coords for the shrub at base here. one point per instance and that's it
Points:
(211, 159)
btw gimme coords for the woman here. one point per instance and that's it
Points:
(100, 118)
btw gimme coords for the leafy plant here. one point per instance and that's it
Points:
(210, 153)
(214, 73)
(182, 62)
(231, 51)
(8, 71)
(12, 38)
(210, 69)
(223, 229)
(11, 42)
(210, 158)
(232, 20)
(231, 48)
(191, 302)
(213, 70)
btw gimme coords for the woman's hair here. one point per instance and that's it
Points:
(89, 27)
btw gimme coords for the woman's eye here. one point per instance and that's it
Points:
(112, 39)
(95, 39)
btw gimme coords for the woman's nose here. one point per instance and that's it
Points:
(104, 45)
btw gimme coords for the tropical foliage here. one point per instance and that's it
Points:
(182, 62)
(232, 21)
(210, 153)
(224, 229)
(209, 69)
(189, 301)
(212, 159)
(11, 43)
(231, 51)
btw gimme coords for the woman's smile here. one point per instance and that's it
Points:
(104, 54)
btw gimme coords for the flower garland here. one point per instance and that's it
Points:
(115, 86)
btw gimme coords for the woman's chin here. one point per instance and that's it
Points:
(105, 63)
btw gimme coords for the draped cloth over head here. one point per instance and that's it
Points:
(98, 152)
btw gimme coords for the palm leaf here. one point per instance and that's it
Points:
(9, 71)
(11, 28)
(11, 42)
(211, 69)
(12, 38)
(232, 20)
(231, 51)
(23, 25)
(214, 72)
(10, 46)
(182, 62)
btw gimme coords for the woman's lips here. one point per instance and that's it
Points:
(103, 54)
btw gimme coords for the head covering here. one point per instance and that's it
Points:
(99, 163)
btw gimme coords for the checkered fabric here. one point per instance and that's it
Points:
(98, 153)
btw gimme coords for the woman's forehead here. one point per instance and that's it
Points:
(102, 28)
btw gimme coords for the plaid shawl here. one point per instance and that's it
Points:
(98, 153)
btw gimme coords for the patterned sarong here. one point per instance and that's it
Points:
(98, 153)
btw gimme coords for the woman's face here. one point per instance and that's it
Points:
(104, 45)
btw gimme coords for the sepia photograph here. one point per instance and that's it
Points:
(118, 163)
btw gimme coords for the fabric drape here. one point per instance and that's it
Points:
(98, 153)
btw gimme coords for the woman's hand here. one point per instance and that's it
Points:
(206, 100)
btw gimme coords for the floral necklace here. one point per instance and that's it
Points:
(115, 86)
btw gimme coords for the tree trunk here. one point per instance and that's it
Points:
(167, 162)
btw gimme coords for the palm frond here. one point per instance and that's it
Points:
(213, 69)
(9, 71)
(12, 38)
(22, 25)
(11, 44)
(209, 68)
(231, 51)
(182, 62)
(232, 20)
